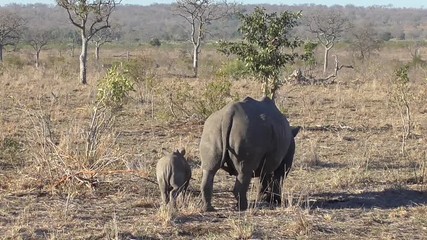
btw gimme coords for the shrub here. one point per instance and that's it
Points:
(69, 159)
(155, 42)
(10, 149)
(141, 72)
(15, 61)
(309, 57)
(386, 36)
(114, 87)
(235, 69)
(402, 97)
(138, 70)
(213, 98)
(185, 101)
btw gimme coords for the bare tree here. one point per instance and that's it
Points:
(102, 37)
(89, 16)
(10, 30)
(199, 14)
(365, 40)
(327, 26)
(38, 39)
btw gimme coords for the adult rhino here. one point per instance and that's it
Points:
(247, 138)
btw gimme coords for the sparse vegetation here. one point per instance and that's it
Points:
(187, 101)
(242, 228)
(401, 96)
(72, 171)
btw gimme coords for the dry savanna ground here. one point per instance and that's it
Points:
(68, 171)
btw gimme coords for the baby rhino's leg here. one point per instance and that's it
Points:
(164, 192)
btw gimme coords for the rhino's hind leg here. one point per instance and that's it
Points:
(184, 188)
(277, 190)
(281, 172)
(164, 193)
(207, 190)
(265, 192)
(174, 195)
(240, 190)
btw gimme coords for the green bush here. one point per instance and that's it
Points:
(139, 69)
(15, 61)
(115, 87)
(155, 42)
(10, 149)
(186, 101)
(213, 98)
(309, 57)
(235, 69)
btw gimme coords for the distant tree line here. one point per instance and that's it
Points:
(141, 24)
(70, 24)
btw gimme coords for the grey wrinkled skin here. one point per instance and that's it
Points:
(247, 139)
(173, 176)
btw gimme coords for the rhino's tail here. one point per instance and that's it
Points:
(226, 125)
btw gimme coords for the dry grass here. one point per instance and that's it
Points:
(349, 180)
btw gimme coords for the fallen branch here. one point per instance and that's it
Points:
(297, 76)
(337, 68)
(92, 182)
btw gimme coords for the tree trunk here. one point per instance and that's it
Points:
(72, 50)
(325, 60)
(97, 52)
(37, 58)
(326, 57)
(265, 87)
(83, 61)
(196, 58)
(1, 53)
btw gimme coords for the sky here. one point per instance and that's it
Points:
(364, 3)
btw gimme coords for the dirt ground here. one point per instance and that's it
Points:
(350, 179)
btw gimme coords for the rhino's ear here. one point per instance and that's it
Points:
(295, 130)
(182, 151)
(164, 151)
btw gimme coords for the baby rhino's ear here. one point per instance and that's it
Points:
(295, 130)
(182, 151)
(165, 151)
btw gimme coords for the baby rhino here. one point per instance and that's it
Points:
(173, 175)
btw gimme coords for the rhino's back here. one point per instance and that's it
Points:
(259, 123)
(247, 129)
(173, 165)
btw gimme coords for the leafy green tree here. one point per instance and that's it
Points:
(309, 57)
(265, 36)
